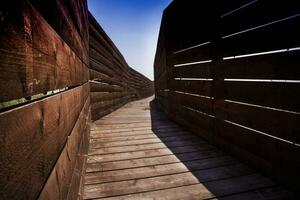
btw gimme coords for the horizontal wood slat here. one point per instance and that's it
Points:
(70, 20)
(104, 87)
(30, 148)
(193, 86)
(195, 54)
(281, 66)
(193, 71)
(34, 58)
(254, 14)
(199, 103)
(258, 150)
(263, 39)
(279, 124)
(57, 185)
(272, 94)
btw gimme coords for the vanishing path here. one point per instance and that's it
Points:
(136, 153)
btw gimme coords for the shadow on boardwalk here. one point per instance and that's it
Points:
(215, 171)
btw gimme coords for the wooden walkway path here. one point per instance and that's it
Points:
(136, 153)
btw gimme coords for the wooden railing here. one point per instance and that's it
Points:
(44, 54)
(229, 71)
(114, 82)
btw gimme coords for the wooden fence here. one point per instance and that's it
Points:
(229, 71)
(113, 83)
(44, 54)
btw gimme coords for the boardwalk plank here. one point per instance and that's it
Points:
(154, 159)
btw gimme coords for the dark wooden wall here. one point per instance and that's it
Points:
(44, 47)
(113, 82)
(206, 80)
(44, 53)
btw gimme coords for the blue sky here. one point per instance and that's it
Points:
(133, 25)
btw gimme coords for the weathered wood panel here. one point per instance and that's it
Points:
(193, 86)
(282, 95)
(58, 183)
(69, 19)
(30, 148)
(34, 58)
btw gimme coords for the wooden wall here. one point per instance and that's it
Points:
(49, 51)
(229, 71)
(113, 82)
(43, 47)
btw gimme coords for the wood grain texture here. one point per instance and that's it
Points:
(30, 63)
(30, 148)
(70, 20)
(59, 181)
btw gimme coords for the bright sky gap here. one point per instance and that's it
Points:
(133, 25)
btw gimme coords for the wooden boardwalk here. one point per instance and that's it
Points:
(136, 153)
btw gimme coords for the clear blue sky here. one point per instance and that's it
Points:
(133, 25)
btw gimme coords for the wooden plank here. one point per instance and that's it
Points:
(192, 101)
(196, 54)
(102, 108)
(280, 66)
(266, 38)
(276, 192)
(100, 50)
(94, 75)
(181, 153)
(100, 67)
(126, 148)
(161, 133)
(143, 141)
(126, 138)
(133, 163)
(102, 87)
(76, 186)
(111, 127)
(128, 155)
(30, 64)
(174, 147)
(134, 173)
(101, 105)
(96, 114)
(129, 187)
(279, 123)
(69, 21)
(253, 15)
(193, 86)
(30, 148)
(197, 122)
(190, 192)
(238, 184)
(168, 169)
(258, 150)
(96, 54)
(57, 185)
(282, 95)
(193, 71)
(105, 96)
(203, 175)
